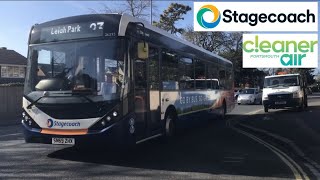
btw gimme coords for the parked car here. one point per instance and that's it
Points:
(236, 93)
(250, 96)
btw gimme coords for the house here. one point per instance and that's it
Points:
(12, 66)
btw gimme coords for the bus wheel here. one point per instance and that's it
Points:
(170, 126)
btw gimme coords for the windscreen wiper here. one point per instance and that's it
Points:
(34, 102)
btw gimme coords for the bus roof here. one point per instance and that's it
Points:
(126, 19)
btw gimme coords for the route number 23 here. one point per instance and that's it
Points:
(96, 25)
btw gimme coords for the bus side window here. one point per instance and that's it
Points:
(169, 71)
(213, 74)
(222, 77)
(186, 76)
(154, 68)
(200, 73)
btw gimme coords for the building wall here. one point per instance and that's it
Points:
(11, 102)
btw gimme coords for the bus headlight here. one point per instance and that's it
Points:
(28, 121)
(106, 121)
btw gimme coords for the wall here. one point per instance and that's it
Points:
(10, 104)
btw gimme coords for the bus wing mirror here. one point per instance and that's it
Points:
(143, 50)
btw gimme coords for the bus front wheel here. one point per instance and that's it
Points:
(170, 125)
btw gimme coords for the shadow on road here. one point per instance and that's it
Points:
(203, 147)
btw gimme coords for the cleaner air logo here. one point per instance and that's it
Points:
(280, 50)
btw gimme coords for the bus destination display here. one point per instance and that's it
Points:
(72, 31)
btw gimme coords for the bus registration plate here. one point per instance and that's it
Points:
(63, 141)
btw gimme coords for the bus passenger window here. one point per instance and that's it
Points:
(200, 74)
(154, 68)
(169, 71)
(186, 76)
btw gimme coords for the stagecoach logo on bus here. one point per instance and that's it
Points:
(52, 123)
(255, 16)
(280, 50)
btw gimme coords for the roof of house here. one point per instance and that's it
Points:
(11, 57)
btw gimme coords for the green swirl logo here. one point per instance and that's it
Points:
(214, 22)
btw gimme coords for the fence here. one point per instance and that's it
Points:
(10, 103)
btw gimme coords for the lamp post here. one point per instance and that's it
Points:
(151, 12)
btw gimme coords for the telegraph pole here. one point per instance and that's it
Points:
(151, 12)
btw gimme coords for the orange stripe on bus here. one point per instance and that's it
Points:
(65, 131)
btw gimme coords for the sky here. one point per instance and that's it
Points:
(17, 17)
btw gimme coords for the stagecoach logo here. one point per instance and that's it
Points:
(280, 50)
(51, 123)
(216, 16)
(255, 16)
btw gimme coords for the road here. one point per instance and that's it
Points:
(282, 144)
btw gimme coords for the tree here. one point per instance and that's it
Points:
(229, 46)
(171, 16)
(136, 8)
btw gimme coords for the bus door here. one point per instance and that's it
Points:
(140, 97)
(154, 116)
(147, 95)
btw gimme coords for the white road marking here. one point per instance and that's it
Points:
(312, 165)
(295, 168)
(14, 134)
(231, 157)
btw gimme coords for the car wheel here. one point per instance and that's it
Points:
(255, 101)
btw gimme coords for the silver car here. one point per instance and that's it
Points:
(250, 96)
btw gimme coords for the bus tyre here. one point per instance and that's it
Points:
(266, 109)
(170, 125)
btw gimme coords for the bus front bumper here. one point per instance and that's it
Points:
(114, 134)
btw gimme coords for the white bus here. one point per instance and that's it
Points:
(114, 78)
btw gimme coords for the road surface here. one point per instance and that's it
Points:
(282, 144)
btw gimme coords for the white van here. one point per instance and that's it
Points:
(282, 91)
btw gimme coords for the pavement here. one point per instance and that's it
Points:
(282, 144)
